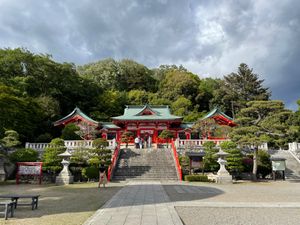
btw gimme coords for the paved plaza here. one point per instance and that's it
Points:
(154, 202)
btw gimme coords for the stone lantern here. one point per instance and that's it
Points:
(223, 177)
(65, 176)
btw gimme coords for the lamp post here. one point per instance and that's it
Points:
(223, 177)
(65, 177)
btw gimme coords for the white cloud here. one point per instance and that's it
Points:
(211, 38)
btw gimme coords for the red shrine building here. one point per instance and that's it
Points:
(144, 121)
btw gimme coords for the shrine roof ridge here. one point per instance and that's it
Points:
(215, 111)
(137, 112)
(76, 111)
(151, 106)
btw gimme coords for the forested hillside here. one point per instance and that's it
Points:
(35, 91)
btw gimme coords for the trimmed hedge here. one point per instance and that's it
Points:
(201, 178)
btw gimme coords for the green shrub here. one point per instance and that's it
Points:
(264, 166)
(68, 133)
(24, 155)
(235, 157)
(201, 178)
(44, 138)
(90, 172)
(52, 162)
(210, 158)
(247, 163)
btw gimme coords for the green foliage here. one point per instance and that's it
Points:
(126, 137)
(100, 154)
(184, 163)
(261, 121)
(239, 88)
(44, 138)
(210, 158)
(17, 113)
(11, 139)
(207, 89)
(178, 83)
(100, 143)
(166, 135)
(68, 133)
(124, 75)
(247, 163)
(49, 106)
(235, 157)
(50, 158)
(35, 91)
(104, 73)
(137, 97)
(181, 107)
(90, 172)
(264, 166)
(80, 156)
(24, 155)
(111, 103)
(199, 178)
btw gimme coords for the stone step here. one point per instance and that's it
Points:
(144, 177)
(146, 164)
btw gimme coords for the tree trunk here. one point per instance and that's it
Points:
(254, 171)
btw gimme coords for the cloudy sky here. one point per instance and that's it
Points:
(210, 38)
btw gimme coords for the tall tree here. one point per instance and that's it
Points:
(260, 122)
(104, 73)
(133, 75)
(178, 83)
(294, 125)
(207, 89)
(239, 88)
(160, 72)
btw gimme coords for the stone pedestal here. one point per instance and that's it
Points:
(65, 177)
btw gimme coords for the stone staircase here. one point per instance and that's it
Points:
(292, 171)
(145, 164)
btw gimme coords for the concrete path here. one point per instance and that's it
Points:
(139, 202)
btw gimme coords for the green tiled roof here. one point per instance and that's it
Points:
(109, 125)
(75, 112)
(214, 112)
(186, 125)
(134, 112)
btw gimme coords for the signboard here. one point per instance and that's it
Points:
(278, 165)
(29, 168)
(146, 131)
(196, 162)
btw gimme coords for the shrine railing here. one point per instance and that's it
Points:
(70, 144)
(196, 142)
(294, 149)
(176, 159)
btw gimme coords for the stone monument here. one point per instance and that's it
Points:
(65, 177)
(223, 177)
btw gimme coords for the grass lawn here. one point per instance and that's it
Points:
(70, 204)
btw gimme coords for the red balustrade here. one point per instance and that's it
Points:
(178, 167)
(113, 162)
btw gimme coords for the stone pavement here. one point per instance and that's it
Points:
(139, 202)
(153, 202)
